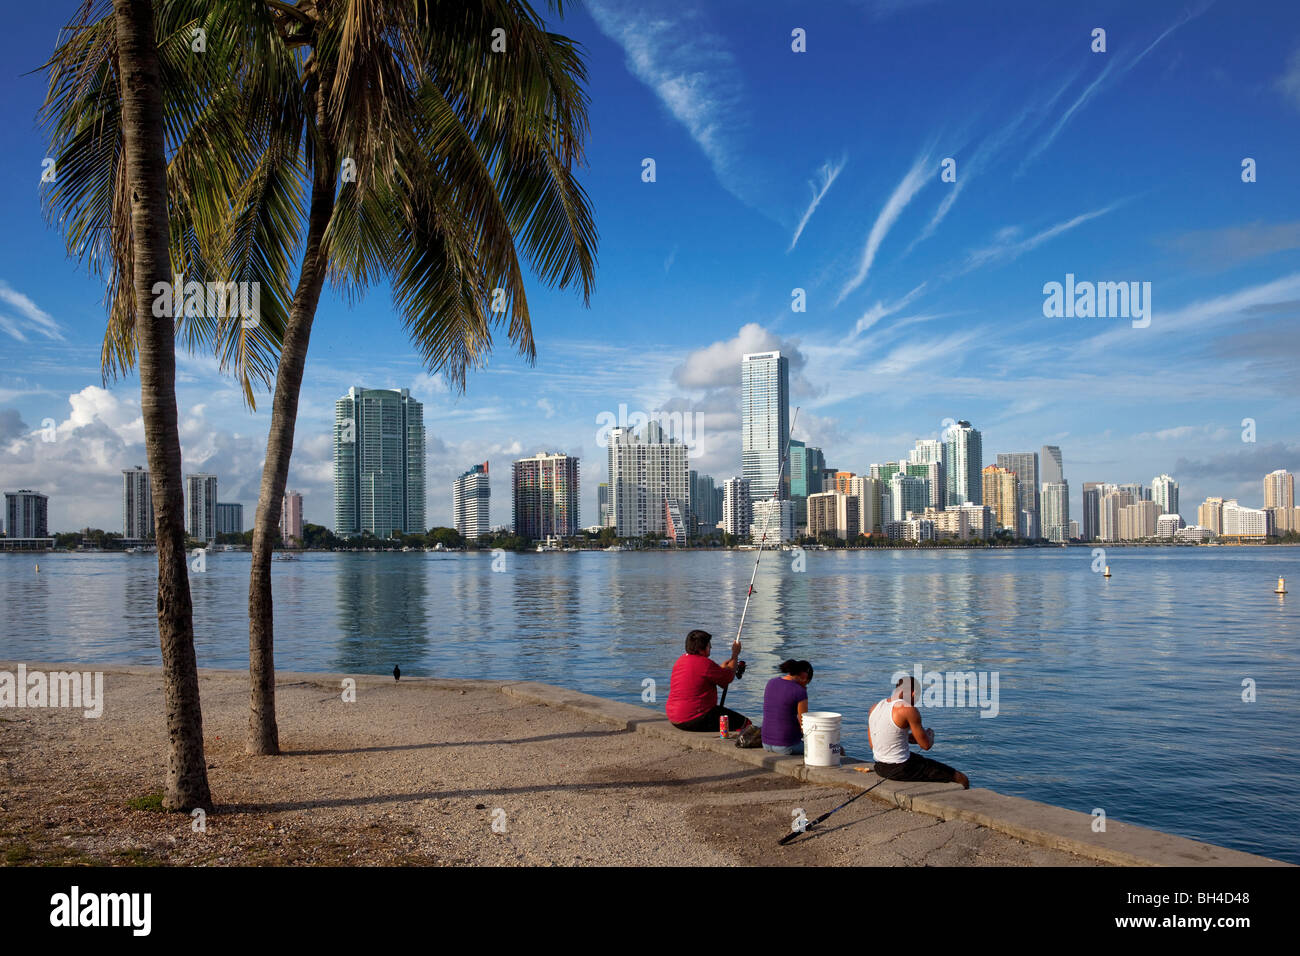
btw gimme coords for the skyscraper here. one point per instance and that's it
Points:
(26, 514)
(806, 466)
(378, 463)
(546, 496)
(471, 502)
(602, 500)
(737, 507)
(965, 451)
(201, 507)
(1164, 492)
(230, 518)
(1025, 465)
(765, 421)
(646, 471)
(933, 453)
(137, 504)
(1001, 490)
(907, 493)
(1053, 467)
(1279, 489)
(706, 502)
(1091, 527)
(291, 519)
(1056, 511)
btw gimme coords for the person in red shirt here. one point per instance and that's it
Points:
(693, 687)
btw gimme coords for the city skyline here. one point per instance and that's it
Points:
(918, 299)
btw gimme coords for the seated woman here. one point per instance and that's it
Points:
(693, 687)
(785, 701)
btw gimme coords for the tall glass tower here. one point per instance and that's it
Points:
(765, 421)
(965, 462)
(378, 463)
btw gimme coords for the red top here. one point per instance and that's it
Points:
(693, 688)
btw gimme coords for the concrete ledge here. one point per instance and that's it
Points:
(1036, 823)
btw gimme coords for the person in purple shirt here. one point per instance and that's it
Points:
(785, 701)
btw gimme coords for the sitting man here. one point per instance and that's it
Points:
(693, 687)
(893, 724)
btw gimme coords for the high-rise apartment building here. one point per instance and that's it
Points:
(934, 454)
(291, 519)
(1279, 489)
(806, 466)
(646, 470)
(602, 500)
(706, 502)
(26, 514)
(907, 494)
(737, 507)
(1056, 511)
(1210, 515)
(137, 504)
(546, 496)
(965, 450)
(1113, 501)
(765, 421)
(1242, 522)
(378, 463)
(230, 518)
(1164, 492)
(1138, 520)
(773, 522)
(834, 513)
(1053, 467)
(1090, 530)
(1025, 465)
(471, 502)
(867, 491)
(201, 507)
(1000, 487)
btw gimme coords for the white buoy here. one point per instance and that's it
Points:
(1281, 586)
(1107, 574)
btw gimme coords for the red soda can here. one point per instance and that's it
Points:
(722, 726)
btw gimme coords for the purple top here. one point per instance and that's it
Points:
(780, 712)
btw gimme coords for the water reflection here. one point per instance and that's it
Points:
(382, 619)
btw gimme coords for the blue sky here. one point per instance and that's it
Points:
(820, 171)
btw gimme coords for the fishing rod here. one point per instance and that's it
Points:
(794, 833)
(776, 497)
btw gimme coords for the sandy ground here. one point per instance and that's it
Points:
(418, 773)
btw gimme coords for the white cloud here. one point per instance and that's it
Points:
(828, 174)
(907, 187)
(1289, 82)
(718, 365)
(1006, 248)
(30, 316)
(687, 67)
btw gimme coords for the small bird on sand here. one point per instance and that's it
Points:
(397, 672)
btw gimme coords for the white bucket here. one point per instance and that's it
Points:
(821, 739)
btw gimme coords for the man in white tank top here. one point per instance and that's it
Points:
(892, 725)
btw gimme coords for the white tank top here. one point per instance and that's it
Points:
(888, 740)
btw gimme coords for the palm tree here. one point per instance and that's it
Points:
(136, 231)
(415, 141)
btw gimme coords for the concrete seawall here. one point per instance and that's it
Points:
(1036, 823)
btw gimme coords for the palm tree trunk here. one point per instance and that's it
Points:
(263, 733)
(146, 170)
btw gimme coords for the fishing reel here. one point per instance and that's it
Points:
(740, 669)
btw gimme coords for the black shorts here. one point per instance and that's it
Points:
(709, 721)
(917, 768)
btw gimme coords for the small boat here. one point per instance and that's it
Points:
(285, 557)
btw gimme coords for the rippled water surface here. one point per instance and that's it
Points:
(1122, 694)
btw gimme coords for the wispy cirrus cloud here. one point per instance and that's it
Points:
(882, 309)
(1006, 247)
(24, 316)
(907, 188)
(1104, 80)
(828, 172)
(690, 70)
